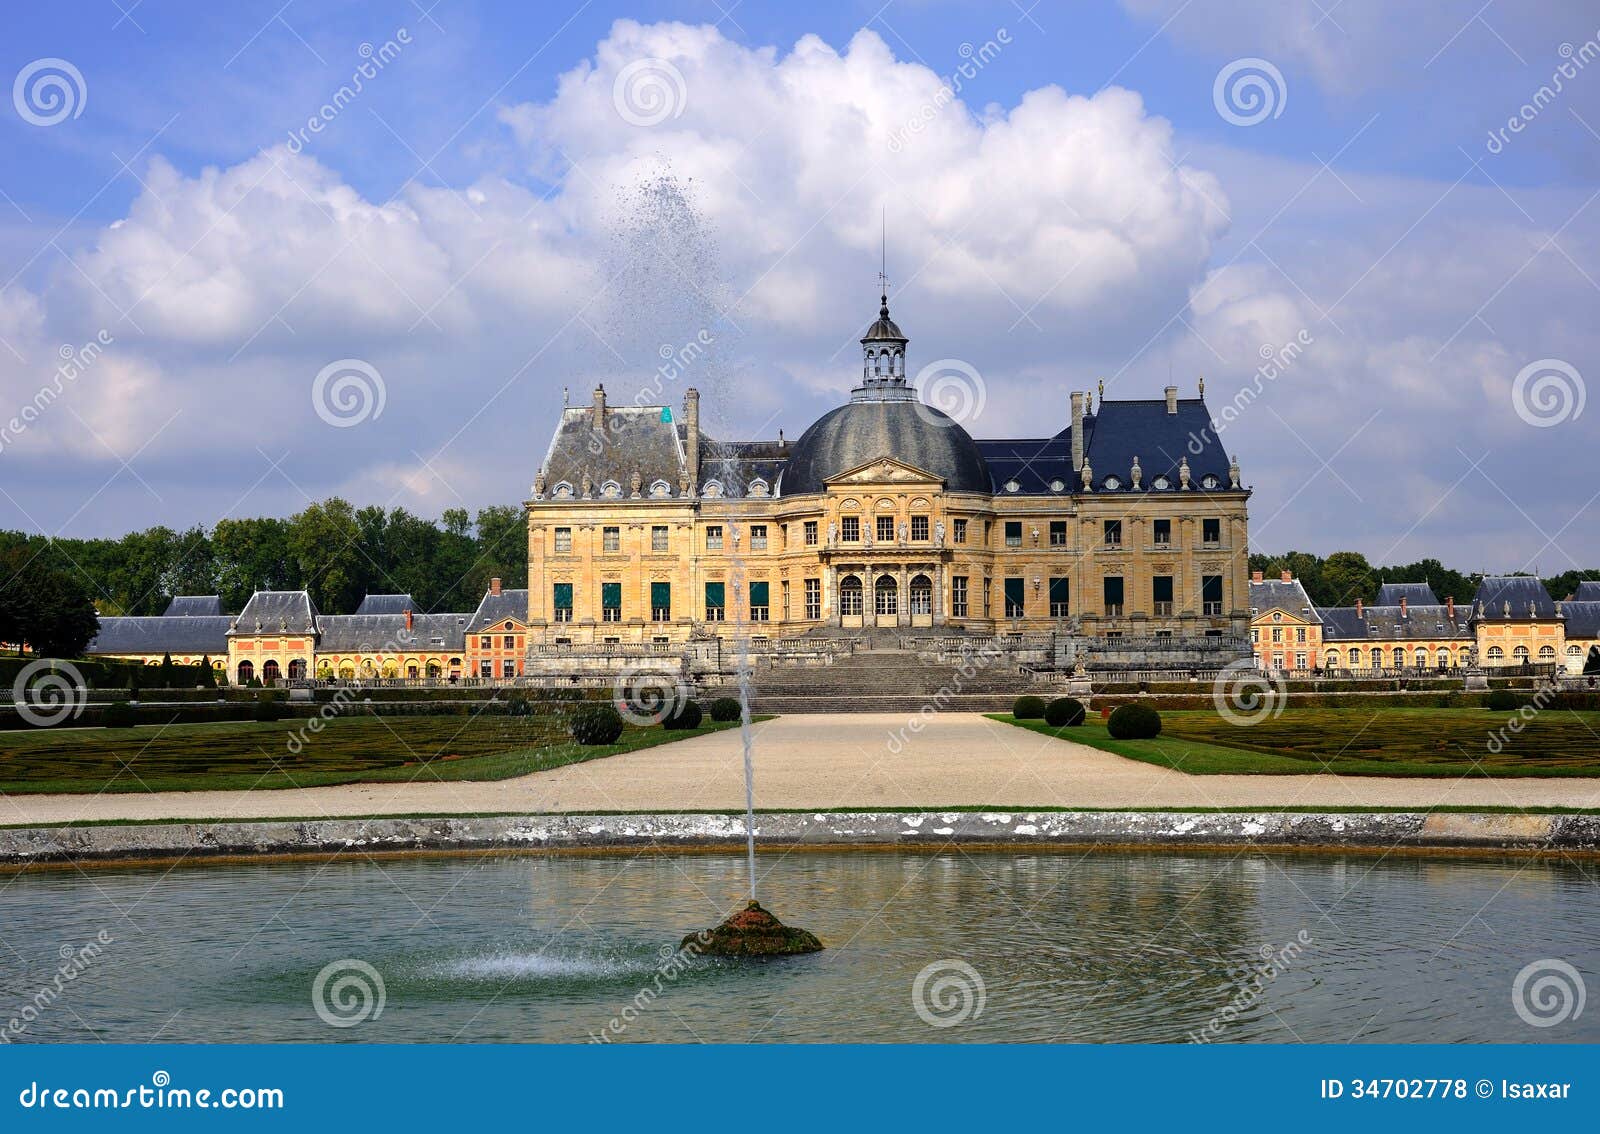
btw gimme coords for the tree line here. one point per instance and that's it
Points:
(1342, 577)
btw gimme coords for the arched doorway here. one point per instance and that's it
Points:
(921, 600)
(1591, 664)
(850, 600)
(247, 672)
(886, 600)
(270, 671)
(297, 669)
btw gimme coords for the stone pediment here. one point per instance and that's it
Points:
(884, 470)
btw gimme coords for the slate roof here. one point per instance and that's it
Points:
(1384, 623)
(276, 609)
(1526, 594)
(859, 432)
(163, 634)
(1415, 594)
(736, 464)
(1588, 591)
(494, 609)
(354, 633)
(1583, 619)
(1034, 465)
(1122, 430)
(190, 606)
(1275, 594)
(635, 439)
(386, 604)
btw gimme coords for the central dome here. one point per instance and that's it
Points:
(907, 431)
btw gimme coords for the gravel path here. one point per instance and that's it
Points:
(867, 760)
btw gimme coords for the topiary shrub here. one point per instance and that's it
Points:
(267, 707)
(596, 724)
(684, 715)
(118, 714)
(1134, 722)
(725, 709)
(1028, 708)
(1503, 701)
(1064, 712)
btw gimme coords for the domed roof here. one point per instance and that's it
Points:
(906, 430)
(884, 330)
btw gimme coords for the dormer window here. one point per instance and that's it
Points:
(1111, 483)
(1161, 483)
(1210, 481)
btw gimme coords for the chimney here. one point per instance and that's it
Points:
(599, 408)
(1172, 399)
(1255, 576)
(691, 429)
(1360, 613)
(1402, 606)
(1286, 576)
(494, 585)
(408, 618)
(1077, 431)
(1450, 607)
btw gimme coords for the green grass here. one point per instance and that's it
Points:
(1358, 742)
(252, 755)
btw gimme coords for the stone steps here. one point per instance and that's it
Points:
(955, 703)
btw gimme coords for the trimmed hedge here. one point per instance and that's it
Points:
(1503, 701)
(1064, 712)
(1028, 708)
(1137, 721)
(118, 714)
(596, 724)
(725, 709)
(684, 715)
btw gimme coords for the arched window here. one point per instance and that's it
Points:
(247, 671)
(269, 670)
(433, 669)
(1547, 653)
(885, 595)
(1355, 657)
(411, 670)
(1574, 651)
(346, 673)
(1520, 653)
(850, 595)
(1496, 653)
(297, 669)
(921, 595)
(388, 669)
(1465, 657)
(1443, 658)
(1333, 659)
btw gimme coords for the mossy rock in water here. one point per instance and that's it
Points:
(752, 932)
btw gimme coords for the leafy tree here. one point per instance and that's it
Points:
(48, 610)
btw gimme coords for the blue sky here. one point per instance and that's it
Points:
(467, 227)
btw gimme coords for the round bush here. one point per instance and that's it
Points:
(1504, 701)
(1028, 708)
(684, 715)
(725, 709)
(596, 724)
(118, 714)
(1134, 722)
(1063, 712)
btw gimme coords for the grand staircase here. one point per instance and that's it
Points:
(884, 679)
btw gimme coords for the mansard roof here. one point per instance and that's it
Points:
(1386, 623)
(162, 634)
(1275, 594)
(190, 606)
(373, 633)
(496, 608)
(386, 604)
(1588, 591)
(634, 439)
(275, 612)
(1415, 594)
(1525, 593)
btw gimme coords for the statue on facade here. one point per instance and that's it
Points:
(588, 486)
(637, 482)
(833, 533)
(904, 532)
(1137, 474)
(683, 483)
(1183, 473)
(1088, 477)
(539, 483)
(938, 534)
(1233, 473)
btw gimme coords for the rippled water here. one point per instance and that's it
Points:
(1099, 947)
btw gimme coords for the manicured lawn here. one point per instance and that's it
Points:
(240, 755)
(1359, 742)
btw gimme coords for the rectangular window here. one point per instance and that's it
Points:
(1112, 594)
(658, 538)
(961, 531)
(486, 643)
(611, 539)
(1113, 533)
(1060, 597)
(1300, 636)
(919, 527)
(1277, 633)
(1211, 594)
(1014, 598)
(563, 602)
(611, 602)
(811, 533)
(1161, 594)
(850, 529)
(1162, 532)
(1299, 661)
(508, 669)
(716, 602)
(713, 537)
(660, 602)
(758, 537)
(509, 642)
(885, 529)
(958, 595)
(563, 541)
(1013, 533)
(813, 598)
(486, 668)
(1211, 532)
(1058, 533)
(760, 602)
